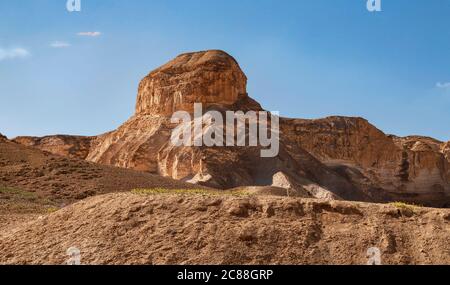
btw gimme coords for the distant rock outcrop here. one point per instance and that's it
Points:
(70, 146)
(412, 169)
(331, 158)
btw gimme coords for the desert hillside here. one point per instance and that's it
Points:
(207, 228)
(32, 175)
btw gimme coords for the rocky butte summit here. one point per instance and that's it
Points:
(331, 158)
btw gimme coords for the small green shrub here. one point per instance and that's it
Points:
(406, 208)
(51, 210)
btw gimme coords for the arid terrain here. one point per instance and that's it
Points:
(33, 182)
(338, 187)
(145, 228)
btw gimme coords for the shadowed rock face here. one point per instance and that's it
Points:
(332, 158)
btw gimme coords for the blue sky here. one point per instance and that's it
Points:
(304, 58)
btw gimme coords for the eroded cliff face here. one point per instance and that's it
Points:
(410, 169)
(331, 158)
(426, 167)
(342, 138)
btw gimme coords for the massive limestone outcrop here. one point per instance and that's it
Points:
(214, 79)
(332, 158)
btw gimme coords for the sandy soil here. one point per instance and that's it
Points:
(128, 228)
(62, 181)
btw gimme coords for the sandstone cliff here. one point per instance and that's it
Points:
(210, 78)
(331, 158)
(215, 79)
(412, 169)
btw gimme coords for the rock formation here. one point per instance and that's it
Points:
(412, 169)
(70, 146)
(331, 158)
(210, 78)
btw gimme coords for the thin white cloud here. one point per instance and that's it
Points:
(89, 34)
(445, 85)
(58, 44)
(13, 53)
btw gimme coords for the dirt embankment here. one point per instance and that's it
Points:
(130, 228)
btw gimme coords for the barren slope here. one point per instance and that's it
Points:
(27, 172)
(130, 228)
